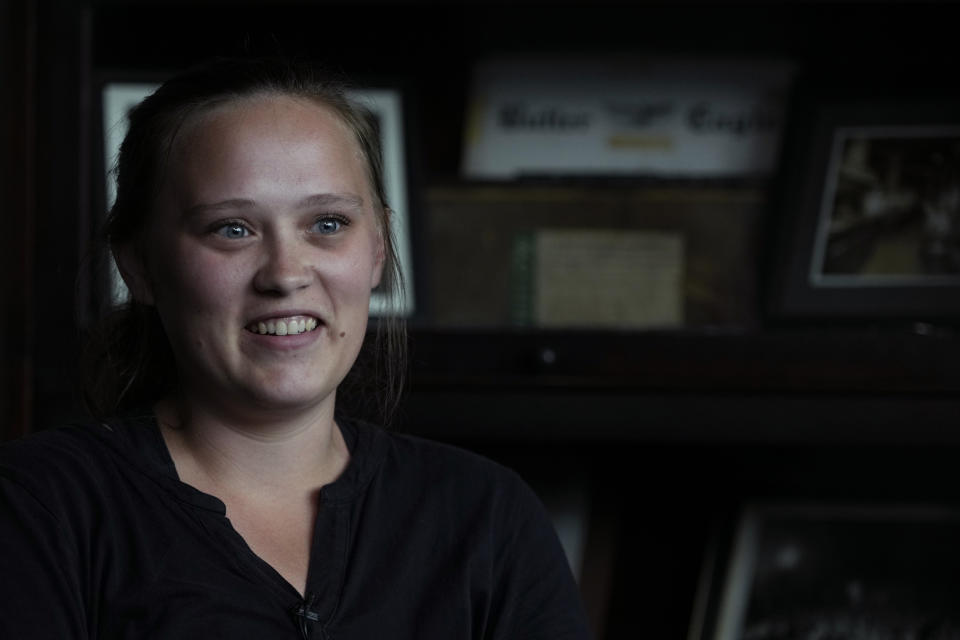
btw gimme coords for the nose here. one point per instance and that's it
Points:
(284, 268)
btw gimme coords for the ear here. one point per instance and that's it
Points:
(133, 270)
(381, 250)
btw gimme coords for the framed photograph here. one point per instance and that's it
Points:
(834, 571)
(387, 106)
(870, 200)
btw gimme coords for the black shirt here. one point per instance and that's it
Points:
(100, 539)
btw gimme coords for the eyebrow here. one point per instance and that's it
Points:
(327, 199)
(316, 200)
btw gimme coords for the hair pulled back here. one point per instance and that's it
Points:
(129, 362)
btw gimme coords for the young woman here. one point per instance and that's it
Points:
(229, 495)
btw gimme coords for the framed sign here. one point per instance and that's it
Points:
(871, 204)
(386, 105)
(835, 571)
(624, 115)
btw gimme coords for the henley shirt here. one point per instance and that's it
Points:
(99, 539)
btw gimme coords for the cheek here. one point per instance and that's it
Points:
(350, 288)
(353, 278)
(196, 280)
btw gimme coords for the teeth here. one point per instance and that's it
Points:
(285, 327)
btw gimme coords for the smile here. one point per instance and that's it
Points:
(284, 326)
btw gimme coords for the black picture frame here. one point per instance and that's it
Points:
(387, 101)
(869, 207)
(804, 570)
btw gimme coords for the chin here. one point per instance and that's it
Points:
(285, 400)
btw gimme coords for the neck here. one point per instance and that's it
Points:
(281, 454)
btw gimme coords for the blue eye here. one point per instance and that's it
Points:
(233, 231)
(329, 225)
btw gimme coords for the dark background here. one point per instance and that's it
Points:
(673, 430)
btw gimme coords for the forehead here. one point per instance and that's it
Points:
(256, 138)
(266, 114)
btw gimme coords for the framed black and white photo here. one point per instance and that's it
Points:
(387, 106)
(871, 205)
(834, 571)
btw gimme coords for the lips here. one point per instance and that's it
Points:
(284, 325)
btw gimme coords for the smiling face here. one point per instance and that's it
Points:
(261, 254)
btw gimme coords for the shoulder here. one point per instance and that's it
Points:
(439, 457)
(58, 465)
(488, 508)
(391, 463)
(436, 477)
(440, 464)
(53, 451)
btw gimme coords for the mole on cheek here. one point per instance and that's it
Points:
(343, 333)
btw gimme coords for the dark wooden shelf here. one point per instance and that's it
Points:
(798, 361)
(805, 387)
